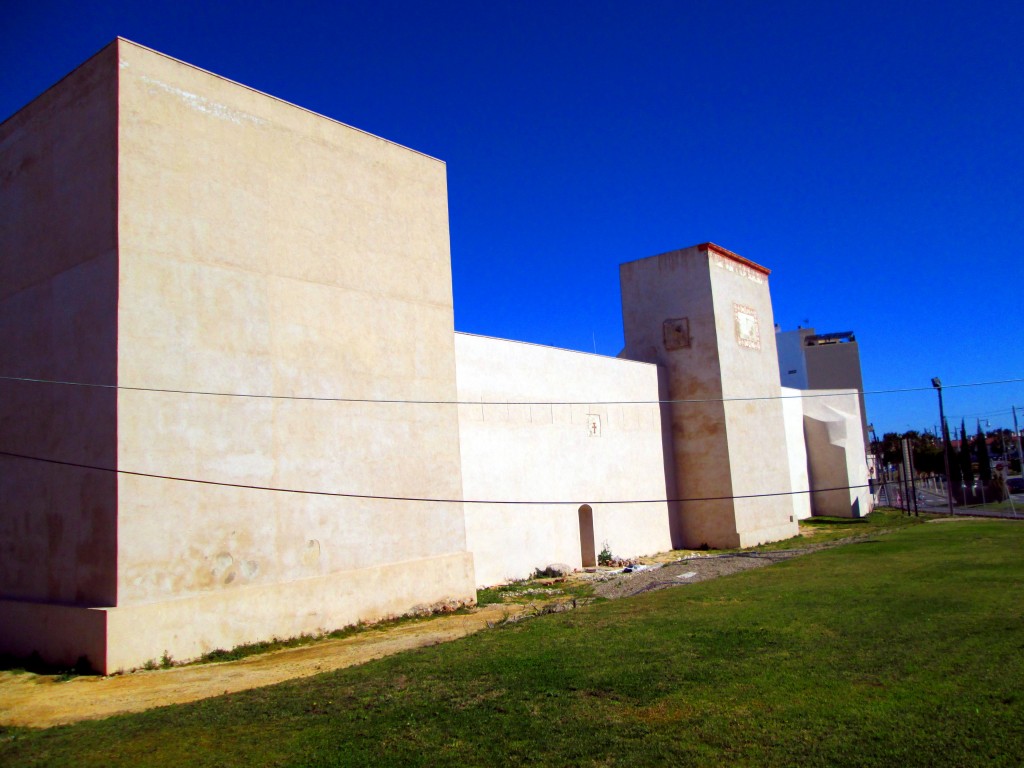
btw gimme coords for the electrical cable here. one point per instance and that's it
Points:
(374, 497)
(500, 402)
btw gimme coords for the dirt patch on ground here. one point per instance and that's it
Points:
(41, 701)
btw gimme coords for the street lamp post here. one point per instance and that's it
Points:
(981, 483)
(1016, 432)
(937, 383)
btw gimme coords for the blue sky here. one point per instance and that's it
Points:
(869, 153)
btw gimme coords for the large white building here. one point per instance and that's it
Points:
(274, 427)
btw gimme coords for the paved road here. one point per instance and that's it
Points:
(930, 501)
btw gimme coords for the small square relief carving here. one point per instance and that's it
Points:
(676, 333)
(748, 332)
(593, 425)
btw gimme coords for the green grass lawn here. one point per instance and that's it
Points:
(903, 650)
(819, 530)
(999, 506)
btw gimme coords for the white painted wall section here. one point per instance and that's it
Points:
(525, 436)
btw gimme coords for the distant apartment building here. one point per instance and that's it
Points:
(809, 360)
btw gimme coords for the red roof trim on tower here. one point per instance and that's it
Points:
(734, 256)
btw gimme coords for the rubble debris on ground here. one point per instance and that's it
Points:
(619, 562)
(557, 569)
(638, 567)
(542, 609)
(696, 567)
(513, 593)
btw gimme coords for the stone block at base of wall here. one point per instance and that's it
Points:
(126, 637)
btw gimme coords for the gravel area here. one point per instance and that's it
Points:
(688, 571)
(699, 567)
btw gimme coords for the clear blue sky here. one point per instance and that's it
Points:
(871, 154)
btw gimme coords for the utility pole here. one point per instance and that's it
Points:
(880, 467)
(908, 472)
(937, 383)
(981, 483)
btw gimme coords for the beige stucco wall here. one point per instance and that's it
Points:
(534, 428)
(754, 419)
(268, 250)
(170, 229)
(724, 447)
(674, 286)
(835, 450)
(58, 303)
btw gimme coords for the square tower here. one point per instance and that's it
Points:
(165, 232)
(705, 314)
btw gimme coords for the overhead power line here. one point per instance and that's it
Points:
(803, 395)
(375, 497)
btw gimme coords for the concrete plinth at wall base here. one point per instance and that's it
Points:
(739, 539)
(770, 534)
(125, 637)
(59, 634)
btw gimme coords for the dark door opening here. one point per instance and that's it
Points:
(587, 548)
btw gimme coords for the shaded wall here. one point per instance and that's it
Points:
(837, 366)
(58, 310)
(792, 364)
(835, 450)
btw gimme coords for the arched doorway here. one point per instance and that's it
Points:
(587, 548)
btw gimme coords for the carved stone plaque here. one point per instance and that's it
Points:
(748, 332)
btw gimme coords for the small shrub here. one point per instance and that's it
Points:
(546, 573)
(166, 662)
(605, 556)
